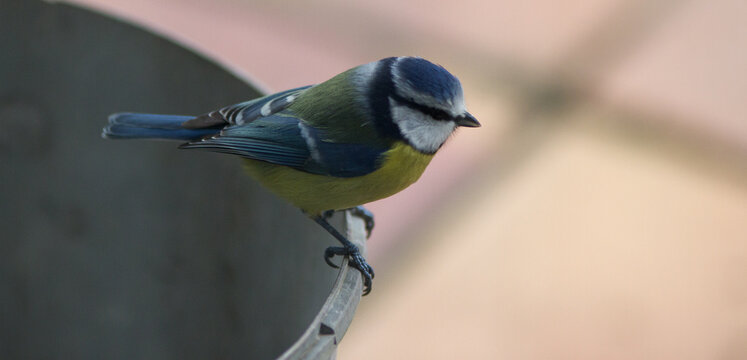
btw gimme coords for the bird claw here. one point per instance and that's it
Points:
(356, 261)
(367, 216)
(330, 252)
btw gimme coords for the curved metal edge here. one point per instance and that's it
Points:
(320, 339)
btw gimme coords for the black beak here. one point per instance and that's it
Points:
(467, 120)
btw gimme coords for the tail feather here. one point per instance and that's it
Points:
(152, 126)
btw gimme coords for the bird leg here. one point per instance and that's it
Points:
(359, 211)
(347, 249)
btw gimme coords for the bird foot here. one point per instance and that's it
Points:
(366, 215)
(356, 261)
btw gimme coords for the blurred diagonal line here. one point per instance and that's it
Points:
(577, 73)
(625, 27)
(544, 99)
(548, 100)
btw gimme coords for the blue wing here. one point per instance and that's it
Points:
(265, 129)
(275, 139)
(284, 139)
(339, 159)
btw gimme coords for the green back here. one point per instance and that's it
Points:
(329, 107)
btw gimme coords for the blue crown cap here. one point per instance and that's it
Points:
(429, 78)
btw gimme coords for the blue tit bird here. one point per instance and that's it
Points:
(360, 136)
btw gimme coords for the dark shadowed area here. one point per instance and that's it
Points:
(134, 249)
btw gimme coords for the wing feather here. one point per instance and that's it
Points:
(246, 112)
(265, 129)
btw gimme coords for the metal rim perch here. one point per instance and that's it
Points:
(320, 339)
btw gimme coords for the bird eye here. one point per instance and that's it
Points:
(436, 114)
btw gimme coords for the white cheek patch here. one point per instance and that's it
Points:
(421, 130)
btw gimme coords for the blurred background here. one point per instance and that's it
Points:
(599, 213)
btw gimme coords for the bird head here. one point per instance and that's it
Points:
(416, 101)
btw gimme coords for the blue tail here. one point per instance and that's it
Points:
(152, 126)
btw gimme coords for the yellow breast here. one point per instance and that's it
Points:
(401, 167)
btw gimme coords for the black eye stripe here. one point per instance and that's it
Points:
(436, 114)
